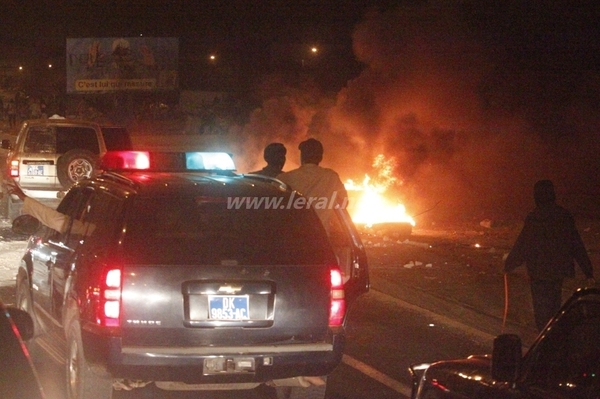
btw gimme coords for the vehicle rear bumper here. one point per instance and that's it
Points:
(39, 194)
(188, 364)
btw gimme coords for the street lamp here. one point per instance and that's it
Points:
(313, 52)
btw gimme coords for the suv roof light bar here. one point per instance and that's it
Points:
(167, 161)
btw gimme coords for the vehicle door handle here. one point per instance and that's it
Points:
(355, 268)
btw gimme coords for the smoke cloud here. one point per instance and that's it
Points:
(470, 116)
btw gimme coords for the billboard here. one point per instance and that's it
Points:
(110, 64)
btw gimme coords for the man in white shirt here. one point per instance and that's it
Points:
(48, 216)
(322, 187)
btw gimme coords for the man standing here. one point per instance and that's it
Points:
(11, 111)
(548, 244)
(322, 187)
(274, 155)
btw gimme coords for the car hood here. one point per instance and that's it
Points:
(464, 378)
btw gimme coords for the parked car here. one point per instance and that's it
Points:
(50, 155)
(18, 376)
(563, 362)
(192, 279)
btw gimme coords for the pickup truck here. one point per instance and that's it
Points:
(563, 362)
(171, 270)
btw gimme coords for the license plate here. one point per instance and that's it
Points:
(35, 170)
(228, 307)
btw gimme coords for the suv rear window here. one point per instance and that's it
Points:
(116, 138)
(72, 137)
(196, 231)
(60, 139)
(40, 140)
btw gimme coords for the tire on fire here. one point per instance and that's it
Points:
(75, 165)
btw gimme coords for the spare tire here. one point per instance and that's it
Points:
(76, 165)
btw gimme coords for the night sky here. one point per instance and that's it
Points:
(472, 101)
(248, 36)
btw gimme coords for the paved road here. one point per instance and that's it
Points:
(454, 271)
(385, 336)
(453, 276)
(375, 359)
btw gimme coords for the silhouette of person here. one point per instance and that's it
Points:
(274, 154)
(548, 244)
(322, 187)
(11, 111)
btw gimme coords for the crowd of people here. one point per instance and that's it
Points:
(19, 106)
(211, 118)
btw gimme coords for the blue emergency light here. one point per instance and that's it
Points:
(167, 161)
(209, 161)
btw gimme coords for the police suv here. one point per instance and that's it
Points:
(177, 272)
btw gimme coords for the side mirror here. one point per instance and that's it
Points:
(506, 357)
(25, 225)
(6, 144)
(23, 321)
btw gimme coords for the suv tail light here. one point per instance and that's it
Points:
(14, 168)
(337, 299)
(109, 305)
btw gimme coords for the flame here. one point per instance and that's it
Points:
(370, 206)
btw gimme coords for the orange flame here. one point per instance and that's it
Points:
(369, 205)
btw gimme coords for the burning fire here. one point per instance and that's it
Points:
(370, 206)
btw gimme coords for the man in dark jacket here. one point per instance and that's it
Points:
(274, 155)
(548, 244)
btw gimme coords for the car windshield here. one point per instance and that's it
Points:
(201, 231)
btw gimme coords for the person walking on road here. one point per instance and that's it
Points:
(321, 186)
(274, 154)
(11, 111)
(548, 244)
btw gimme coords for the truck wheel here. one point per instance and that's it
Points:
(312, 392)
(23, 297)
(24, 301)
(82, 382)
(4, 203)
(14, 208)
(75, 165)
